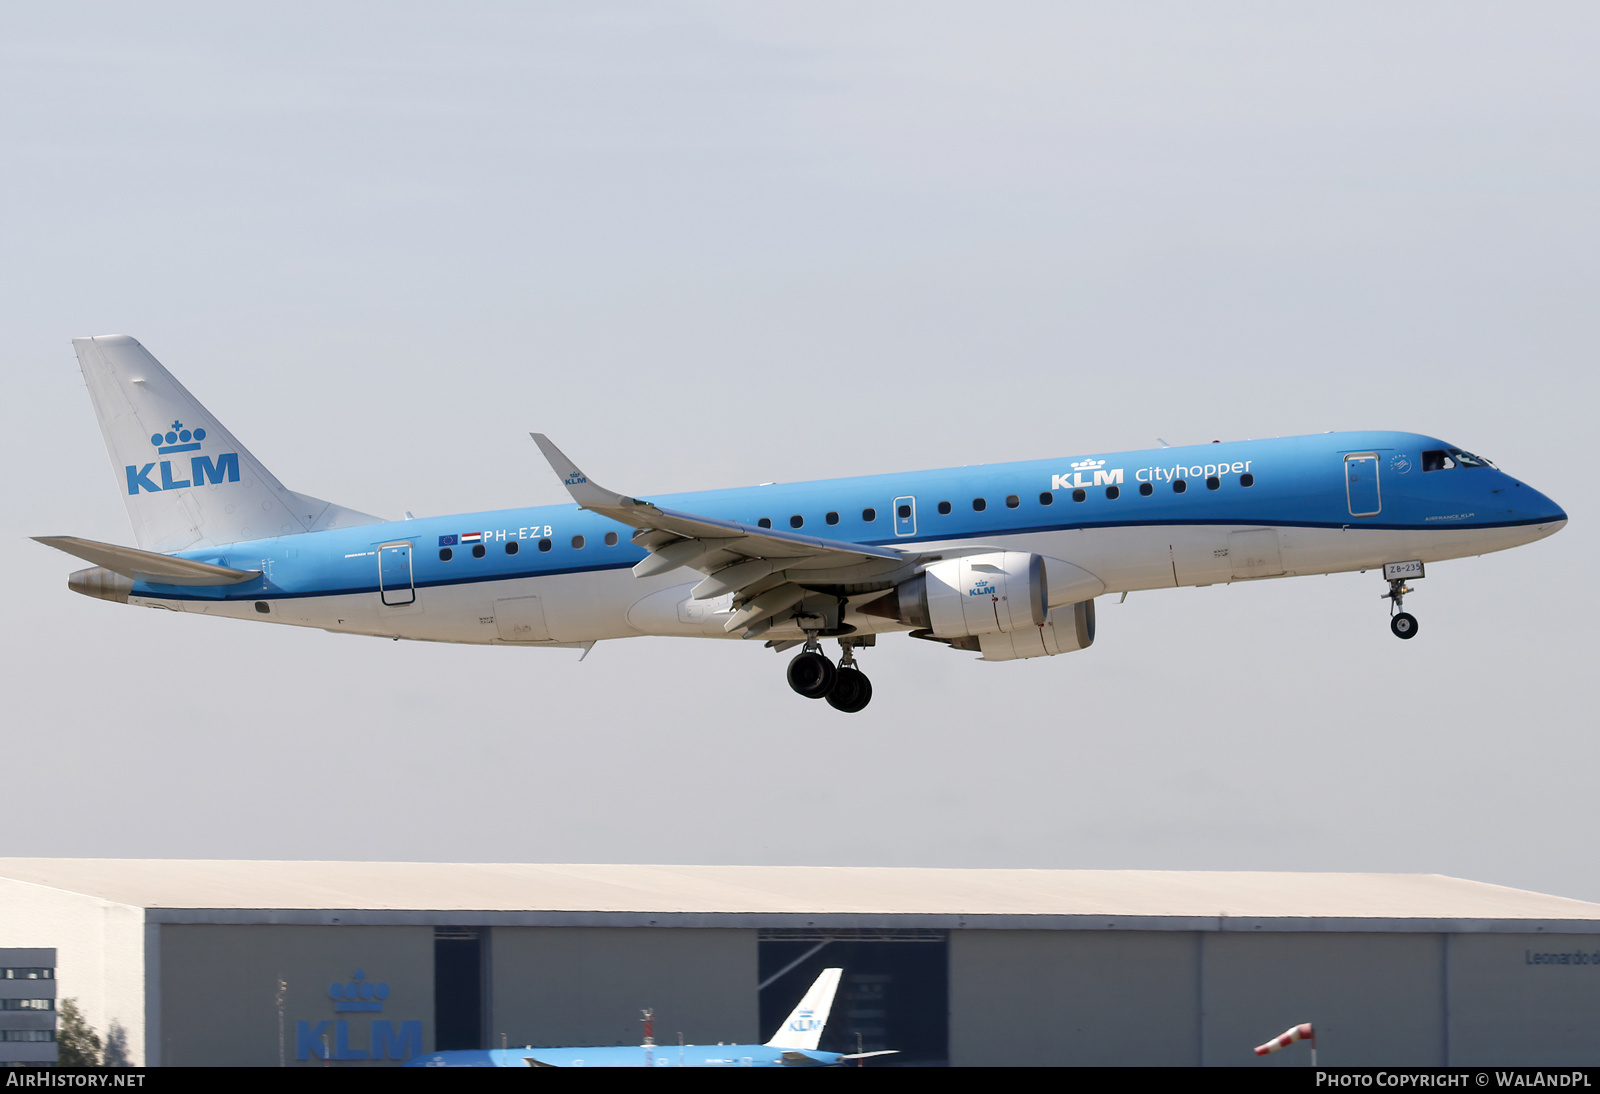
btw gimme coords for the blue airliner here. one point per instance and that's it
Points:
(1004, 560)
(794, 1045)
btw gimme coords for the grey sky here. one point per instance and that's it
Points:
(707, 245)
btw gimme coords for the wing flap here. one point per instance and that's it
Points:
(147, 565)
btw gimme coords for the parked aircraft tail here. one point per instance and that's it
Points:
(186, 480)
(802, 1030)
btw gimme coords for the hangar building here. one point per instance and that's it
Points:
(361, 964)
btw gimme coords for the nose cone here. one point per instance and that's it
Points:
(1548, 518)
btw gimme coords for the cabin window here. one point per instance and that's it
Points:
(764, 522)
(1179, 486)
(611, 539)
(577, 543)
(263, 607)
(1079, 495)
(979, 505)
(797, 521)
(544, 545)
(477, 550)
(904, 511)
(511, 547)
(832, 518)
(446, 554)
(1247, 479)
(1012, 501)
(944, 509)
(870, 515)
(1113, 492)
(1212, 482)
(1047, 498)
(1145, 490)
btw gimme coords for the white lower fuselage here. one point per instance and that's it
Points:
(579, 608)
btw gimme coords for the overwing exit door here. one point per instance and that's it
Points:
(905, 516)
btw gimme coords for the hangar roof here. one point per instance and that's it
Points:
(231, 891)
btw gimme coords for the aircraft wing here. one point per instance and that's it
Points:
(767, 570)
(147, 565)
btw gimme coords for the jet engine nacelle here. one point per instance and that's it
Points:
(971, 596)
(1064, 630)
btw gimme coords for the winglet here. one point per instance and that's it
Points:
(587, 493)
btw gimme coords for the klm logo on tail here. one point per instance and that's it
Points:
(202, 469)
(804, 1021)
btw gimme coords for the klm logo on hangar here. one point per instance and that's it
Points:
(384, 1042)
(202, 469)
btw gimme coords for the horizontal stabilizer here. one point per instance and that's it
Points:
(147, 565)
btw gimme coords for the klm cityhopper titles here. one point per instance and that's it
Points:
(1004, 560)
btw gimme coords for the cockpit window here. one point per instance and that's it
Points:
(1440, 459)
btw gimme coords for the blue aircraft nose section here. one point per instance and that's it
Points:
(1537, 506)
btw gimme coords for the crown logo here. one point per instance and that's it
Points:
(358, 994)
(1088, 465)
(177, 439)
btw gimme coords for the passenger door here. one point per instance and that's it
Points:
(1361, 484)
(394, 574)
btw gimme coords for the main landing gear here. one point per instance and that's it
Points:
(1403, 624)
(846, 688)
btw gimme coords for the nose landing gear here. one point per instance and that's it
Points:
(812, 675)
(1402, 623)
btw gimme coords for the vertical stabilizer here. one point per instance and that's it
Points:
(802, 1030)
(185, 478)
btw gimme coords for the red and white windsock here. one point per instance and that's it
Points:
(1300, 1032)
